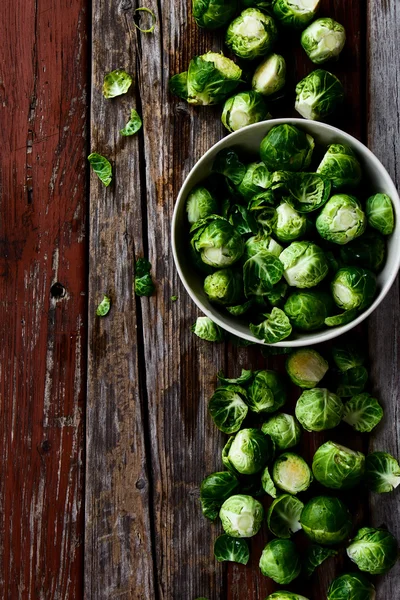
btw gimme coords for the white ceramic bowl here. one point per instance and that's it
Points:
(249, 139)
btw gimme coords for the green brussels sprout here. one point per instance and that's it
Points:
(213, 14)
(228, 408)
(251, 34)
(341, 166)
(373, 550)
(315, 555)
(306, 367)
(318, 95)
(341, 220)
(305, 192)
(219, 244)
(291, 473)
(244, 109)
(283, 429)
(259, 243)
(207, 330)
(227, 163)
(287, 148)
(338, 467)
(326, 520)
(242, 220)
(295, 13)
(231, 549)
(256, 179)
(260, 273)
(289, 224)
(282, 595)
(266, 393)
(305, 264)
(224, 287)
(380, 214)
(283, 516)
(280, 561)
(362, 412)
(250, 451)
(276, 296)
(382, 472)
(353, 287)
(351, 382)
(267, 483)
(241, 516)
(318, 409)
(200, 204)
(342, 319)
(308, 309)
(368, 251)
(270, 75)
(275, 328)
(323, 40)
(351, 586)
(348, 355)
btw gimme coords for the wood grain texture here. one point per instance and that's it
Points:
(384, 324)
(43, 86)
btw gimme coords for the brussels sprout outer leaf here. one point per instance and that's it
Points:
(218, 486)
(207, 330)
(374, 551)
(210, 508)
(260, 273)
(382, 472)
(338, 467)
(267, 483)
(133, 125)
(275, 328)
(178, 85)
(346, 317)
(305, 192)
(245, 378)
(102, 167)
(362, 412)
(144, 285)
(352, 382)
(280, 561)
(228, 408)
(227, 163)
(240, 309)
(314, 557)
(231, 549)
(104, 307)
(283, 516)
(116, 83)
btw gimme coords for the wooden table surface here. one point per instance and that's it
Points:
(103, 423)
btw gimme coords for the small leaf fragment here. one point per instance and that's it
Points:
(144, 285)
(102, 167)
(153, 19)
(116, 83)
(133, 125)
(104, 307)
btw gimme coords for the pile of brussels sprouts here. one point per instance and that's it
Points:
(253, 28)
(288, 242)
(261, 460)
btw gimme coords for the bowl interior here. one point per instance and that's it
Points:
(249, 139)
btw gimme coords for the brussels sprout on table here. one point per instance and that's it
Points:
(250, 451)
(200, 204)
(270, 75)
(207, 330)
(251, 34)
(280, 561)
(323, 40)
(289, 224)
(318, 409)
(291, 473)
(283, 429)
(308, 309)
(314, 557)
(241, 516)
(305, 264)
(318, 95)
(213, 14)
(231, 549)
(287, 148)
(228, 408)
(267, 483)
(368, 251)
(373, 550)
(353, 287)
(362, 412)
(283, 516)
(382, 472)
(341, 219)
(295, 13)
(348, 355)
(341, 166)
(282, 595)
(338, 467)
(306, 367)
(275, 328)
(224, 287)
(351, 586)
(326, 520)
(244, 109)
(351, 382)
(380, 214)
(267, 392)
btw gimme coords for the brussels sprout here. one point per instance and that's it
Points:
(244, 109)
(319, 409)
(250, 451)
(259, 243)
(282, 595)
(342, 319)
(341, 220)
(116, 83)
(287, 148)
(382, 472)
(224, 287)
(206, 329)
(270, 75)
(276, 296)
(283, 516)
(260, 273)
(267, 392)
(318, 95)
(314, 557)
(374, 551)
(255, 180)
(251, 34)
(143, 284)
(283, 429)
(213, 14)
(289, 225)
(241, 516)
(307, 310)
(380, 215)
(275, 328)
(351, 382)
(363, 412)
(178, 85)
(324, 39)
(368, 251)
(305, 192)
(227, 163)
(291, 473)
(306, 367)
(267, 483)
(348, 355)
(338, 467)
(244, 378)
(262, 4)
(341, 166)
(231, 549)
(219, 244)
(228, 408)
(280, 561)
(295, 13)
(304, 263)
(351, 586)
(200, 204)
(326, 520)
(353, 287)
(242, 220)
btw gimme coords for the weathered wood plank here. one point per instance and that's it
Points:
(384, 324)
(42, 241)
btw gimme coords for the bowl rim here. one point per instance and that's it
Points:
(325, 335)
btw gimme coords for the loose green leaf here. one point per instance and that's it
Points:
(231, 549)
(133, 125)
(315, 556)
(283, 516)
(207, 330)
(178, 85)
(362, 412)
(210, 508)
(144, 285)
(245, 377)
(102, 167)
(260, 273)
(227, 163)
(275, 328)
(228, 408)
(348, 355)
(116, 83)
(382, 472)
(346, 317)
(352, 382)
(268, 484)
(218, 486)
(174, 298)
(153, 20)
(104, 307)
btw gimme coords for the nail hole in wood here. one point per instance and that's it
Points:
(57, 290)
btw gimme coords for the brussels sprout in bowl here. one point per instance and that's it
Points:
(234, 319)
